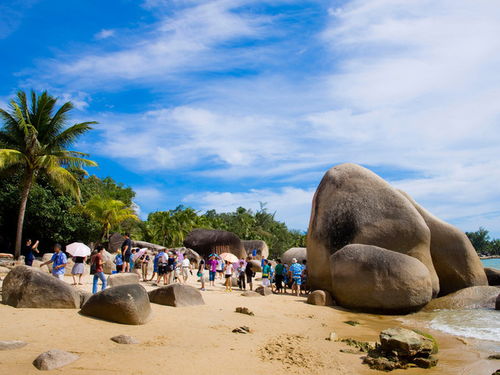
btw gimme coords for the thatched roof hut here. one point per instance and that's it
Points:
(207, 241)
(259, 245)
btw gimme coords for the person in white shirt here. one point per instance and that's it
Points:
(186, 267)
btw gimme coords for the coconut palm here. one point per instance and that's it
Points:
(34, 138)
(108, 212)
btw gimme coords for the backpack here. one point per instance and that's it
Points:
(93, 266)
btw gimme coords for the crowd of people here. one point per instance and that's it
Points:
(170, 266)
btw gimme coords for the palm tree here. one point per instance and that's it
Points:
(108, 212)
(34, 139)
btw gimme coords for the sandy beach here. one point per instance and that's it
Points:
(288, 336)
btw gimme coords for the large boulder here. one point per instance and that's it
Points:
(456, 262)
(259, 245)
(373, 279)
(127, 304)
(118, 279)
(353, 205)
(115, 242)
(33, 288)
(176, 295)
(493, 276)
(474, 297)
(299, 253)
(207, 241)
(497, 303)
(109, 266)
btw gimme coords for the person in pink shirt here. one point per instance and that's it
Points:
(212, 264)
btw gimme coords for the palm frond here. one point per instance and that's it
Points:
(64, 180)
(68, 136)
(9, 158)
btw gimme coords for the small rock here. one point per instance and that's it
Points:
(10, 345)
(382, 364)
(353, 323)
(494, 356)
(332, 337)
(251, 293)
(244, 310)
(350, 351)
(425, 362)
(124, 339)
(53, 359)
(243, 330)
(320, 298)
(264, 291)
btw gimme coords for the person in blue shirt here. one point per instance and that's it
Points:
(155, 265)
(295, 273)
(118, 261)
(58, 261)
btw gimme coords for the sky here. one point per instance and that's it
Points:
(227, 103)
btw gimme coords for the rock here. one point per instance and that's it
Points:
(84, 297)
(176, 295)
(32, 288)
(242, 329)
(320, 298)
(127, 304)
(493, 276)
(332, 337)
(371, 279)
(456, 262)
(256, 267)
(497, 303)
(115, 242)
(11, 345)
(494, 356)
(425, 362)
(124, 339)
(405, 343)
(259, 245)
(118, 279)
(244, 310)
(264, 291)
(53, 359)
(46, 257)
(299, 253)
(251, 293)
(108, 266)
(4, 269)
(353, 205)
(469, 298)
(381, 363)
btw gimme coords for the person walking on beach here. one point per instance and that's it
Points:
(201, 273)
(279, 272)
(295, 273)
(155, 265)
(131, 261)
(97, 261)
(28, 249)
(145, 264)
(304, 288)
(266, 273)
(212, 264)
(249, 273)
(127, 252)
(220, 268)
(228, 273)
(185, 268)
(118, 261)
(241, 275)
(171, 264)
(78, 269)
(162, 267)
(58, 261)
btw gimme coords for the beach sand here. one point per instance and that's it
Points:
(288, 336)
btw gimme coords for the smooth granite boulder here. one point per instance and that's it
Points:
(493, 276)
(123, 278)
(53, 359)
(475, 297)
(176, 295)
(320, 298)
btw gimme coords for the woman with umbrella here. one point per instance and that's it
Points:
(79, 252)
(229, 259)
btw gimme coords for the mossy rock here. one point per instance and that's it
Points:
(435, 346)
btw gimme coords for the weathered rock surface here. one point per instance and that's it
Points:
(468, 298)
(264, 291)
(405, 343)
(300, 253)
(251, 293)
(493, 276)
(124, 339)
(373, 279)
(176, 295)
(259, 245)
(11, 345)
(497, 303)
(84, 297)
(32, 288)
(53, 359)
(118, 279)
(353, 205)
(108, 266)
(127, 304)
(320, 298)
(244, 310)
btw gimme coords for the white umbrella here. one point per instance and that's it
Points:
(78, 249)
(140, 253)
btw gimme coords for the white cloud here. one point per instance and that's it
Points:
(291, 204)
(104, 34)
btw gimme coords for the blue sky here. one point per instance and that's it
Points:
(219, 104)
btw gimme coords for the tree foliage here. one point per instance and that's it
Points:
(483, 243)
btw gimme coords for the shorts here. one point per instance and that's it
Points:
(119, 267)
(211, 276)
(155, 269)
(162, 269)
(127, 259)
(249, 277)
(266, 282)
(185, 271)
(297, 280)
(228, 276)
(60, 276)
(77, 269)
(28, 262)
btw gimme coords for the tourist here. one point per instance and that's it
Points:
(304, 286)
(241, 275)
(295, 273)
(201, 273)
(279, 277)
(145, 264)
(186, 267)
(127, 252)
(212, 264)
(249, 273)
(220, 268)
(228, 273)
(137, 263)
(78, 269)
(286, 280)
(266, 273)
(162, 267)
(97, 261)
(155, 265)
(118, 261)
(58, 261)
(171, 264)
(28, 252)
(131, 260)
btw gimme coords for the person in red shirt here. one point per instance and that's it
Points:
(98, 262)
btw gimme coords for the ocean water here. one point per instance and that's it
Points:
(491, 263)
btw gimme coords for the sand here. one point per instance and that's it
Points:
(288, 337)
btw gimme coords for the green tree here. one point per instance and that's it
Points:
(480, 239)
(35, 138)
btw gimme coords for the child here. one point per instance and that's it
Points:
(266, 271)
(228, 271)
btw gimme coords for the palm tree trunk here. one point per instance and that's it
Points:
(27, 182)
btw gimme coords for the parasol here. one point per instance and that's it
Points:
(140, 253)
(228, 257)
(78, 249)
